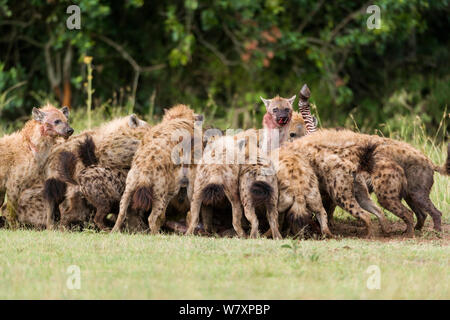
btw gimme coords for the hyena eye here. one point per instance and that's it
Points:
(292, 134)
(275, 110)
(57, 122)
(287, 109)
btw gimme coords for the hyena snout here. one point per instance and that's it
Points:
(283, 118)
(69, 131)
(63, 130)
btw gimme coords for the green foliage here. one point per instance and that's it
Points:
(223, 54)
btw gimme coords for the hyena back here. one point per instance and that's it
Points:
(117, 141)
(154, 178)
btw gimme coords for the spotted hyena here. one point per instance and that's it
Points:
(120, 137)
(217, 184)
(299, 193)
(276, 120)
(394, 171)
(25, 153)
(398, 171)
(297, 128)
(337, 158)
(155, 178)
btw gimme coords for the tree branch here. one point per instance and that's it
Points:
(310, 16)
(214, 50)
(347, 19)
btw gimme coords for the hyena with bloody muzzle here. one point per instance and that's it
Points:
(25, 153)
(276, 120)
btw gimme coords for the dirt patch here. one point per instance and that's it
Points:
(356, 229)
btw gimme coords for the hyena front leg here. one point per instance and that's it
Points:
(100, 216)
(317, 207)
(344, 197)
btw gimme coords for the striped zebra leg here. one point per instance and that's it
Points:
(305, 111)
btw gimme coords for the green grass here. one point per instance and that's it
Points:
(33, 265)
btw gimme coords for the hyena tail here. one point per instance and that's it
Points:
(261, 192)
(54, 190)
(86, 152)
(445, 169)
(366, 157)
(213, 194)
(66, 167)
(299, 220)
(142, 198)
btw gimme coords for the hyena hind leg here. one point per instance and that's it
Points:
(207, 218)
(157, 216)
(363, 197)
(421, 215)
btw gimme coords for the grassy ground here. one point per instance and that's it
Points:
(33, 265)
(122, 266)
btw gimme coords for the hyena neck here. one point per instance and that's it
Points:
(270, 125)
(36, 140)
(272, 132)
(307, 118)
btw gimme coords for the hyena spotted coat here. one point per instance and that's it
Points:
(154, 178)
(120, 137)
(397, 162)
(398, 171)
(299, 193)
(258, 187)
(336, 159)
(25, 153)
(216, 183)
(394, 170)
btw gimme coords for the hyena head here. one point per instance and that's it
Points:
(297, 127)
(181, 111)
(123, 124)
(279, 111)
(54, 121)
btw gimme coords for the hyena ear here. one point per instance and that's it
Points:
(133, 121)
(198, 117)
(65, 111)
(38, 115)
(292, 99)
(266, 102)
